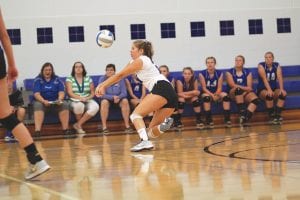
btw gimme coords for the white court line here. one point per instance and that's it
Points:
(38, 187)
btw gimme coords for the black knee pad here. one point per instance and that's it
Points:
(282, 97)
(10, 122)
(180, 105)
(255, 101)
(238, 91)
(269, 98)
(226, 98)
(207, 99)
(196, 103)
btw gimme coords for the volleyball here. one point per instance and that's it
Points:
(104, 38)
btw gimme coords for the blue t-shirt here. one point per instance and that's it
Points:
(271, 74)
(211, 82)
(137, 87)
(117, 89)
(239, 80)
(48, 89)
(187, 86)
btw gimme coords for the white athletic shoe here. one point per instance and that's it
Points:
(143, 145)
(37, 169)
(166, 125)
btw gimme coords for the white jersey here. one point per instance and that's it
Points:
(149, 74)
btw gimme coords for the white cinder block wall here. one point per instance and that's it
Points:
(178, 52)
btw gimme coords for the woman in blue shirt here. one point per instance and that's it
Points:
(239, 80)
(49, 94)
(270, 87)
(211, 82)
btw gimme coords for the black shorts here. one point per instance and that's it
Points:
(165, 89)
(2, 65)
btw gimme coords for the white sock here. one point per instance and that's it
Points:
(143, 134)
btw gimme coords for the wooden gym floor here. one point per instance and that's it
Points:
(258, 162)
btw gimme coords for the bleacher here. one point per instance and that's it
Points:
(291, 76)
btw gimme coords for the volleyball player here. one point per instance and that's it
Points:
(162, 99)
(211, 82)
(239, 80)
(270, 87)
(7, 118)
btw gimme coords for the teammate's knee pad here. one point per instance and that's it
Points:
(207, 99)
(180, 105)
(238, 91)
(196, 103)
(269, 98)
(135, 116)
(282, 97)
(10, 122)
(226, 98)
(255, 101)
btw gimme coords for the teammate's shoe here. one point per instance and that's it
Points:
(143, 145)
(37, 169)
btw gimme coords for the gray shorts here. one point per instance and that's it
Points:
(38, 106)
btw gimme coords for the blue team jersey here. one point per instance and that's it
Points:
(271, 74)
(211, 82)
(137, 87)
(48, 89)
(187, 86)
(239, 80)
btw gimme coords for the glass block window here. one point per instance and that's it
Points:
(226, 27)
(283, 25)
(76, 34)
(168, 30)
(15, 36)
(111, 28)
(137, 31)
(255, 26)
(197, 29)
(44, 35)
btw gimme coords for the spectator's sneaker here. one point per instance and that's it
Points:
(69, 134)
(209, 123)
(37, 169)
(105, 131)
(242, 120)
(228, 124)
(166, 125)
(128, 130)
(37, 134)
(200, 124)
(276, 121)
(9, 138)
(143, 145)
(78, 130)
(178, 124)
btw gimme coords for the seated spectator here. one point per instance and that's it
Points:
(164, 70)
(136, 90)
(115, 95)
(239, 80)
(49, 94)
(211, 82)
(17, 103)
(80, 89)
(270, 87)
(187, 91)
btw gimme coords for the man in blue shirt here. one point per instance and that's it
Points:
(114, 95)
